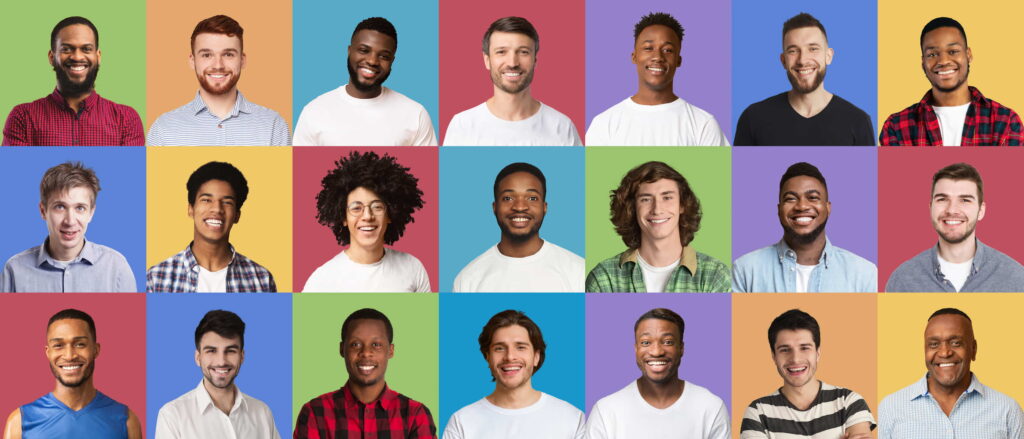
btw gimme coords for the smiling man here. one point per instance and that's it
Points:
(951, 113)
(949, 401)
(511, 117)
(210, 264)
(513, 347)
(521, 261)
(804, 407)
(217, 408)
(365, 406)
(655, 116)
(75, 409)
(659, 404)
(219, 114)
(959, 262)
(804, 261)
(364, 112)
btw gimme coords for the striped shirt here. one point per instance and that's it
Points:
(180, 274)
(96, 269)
(339, 415)
(696, 273)
(193, 124)
(50, 121)
(834, 410)
(980, 413)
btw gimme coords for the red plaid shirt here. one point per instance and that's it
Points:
(339, 415)
(988, 123)
(50, 121)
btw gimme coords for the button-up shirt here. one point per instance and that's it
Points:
(696, 273)
(193, 124)
(339, 415)
(772, 269)
(194, 416)
(991, 271)
(979, 413)
(50, 121)
(988, 123)
(96, 269)
(180, 274)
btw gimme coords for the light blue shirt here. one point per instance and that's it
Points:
(194, 125)
(772, 269)
(979, 413)
(96, 269)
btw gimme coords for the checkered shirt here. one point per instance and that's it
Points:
(339, 415)
(180, 274)
(988, 123)
(51, 122)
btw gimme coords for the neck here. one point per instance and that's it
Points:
(213, 256)
(648, 96)
(809, 104)
(366, 394)
(220, 105)
(949, 393)
(76, 398)
(360, 94)
(223, 399)
(513, 106)
(807, 253)
(959, 252)
(363, 255)
(75, 101)
(660, 395)
(660, 253)
(517, 398)
(802, 397)
(961, 95)
(520, 249)
(64, 255)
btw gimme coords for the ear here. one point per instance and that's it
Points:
(42, 211)
(782, 60)
(94, 357)
(99, 55)
(682, 348)
(632, 56)
(241, 356)
(974, 352)
(545, 208)
(238, 216)
(828, 56)
(391, 350)
(191, 211)
(49, 58)
(341, 348)
(494, 207)
(970, 56)
(243, 61)
(981, 211)
(487, 62)
(536, 359)
(197, 357)
(192, 61)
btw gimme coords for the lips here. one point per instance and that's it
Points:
(214, 223)
(366, 368)
(221, 371)
(657, 364)
(519, 220)
(656, 70)
(657, 221)
(802, 220)
(367, 72)
(68, 235)
(796, 370)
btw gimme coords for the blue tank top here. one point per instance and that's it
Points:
(47, 417)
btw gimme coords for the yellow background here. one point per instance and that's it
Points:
(264, 230)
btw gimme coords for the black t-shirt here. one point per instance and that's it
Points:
(774, 122)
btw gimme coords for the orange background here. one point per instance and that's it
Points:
(848, 339)
(267, 77)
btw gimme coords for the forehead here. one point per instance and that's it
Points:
(803, 183)
(74, 195)
(794, 337)
(212, 41)
(804, 36)
(510, 39)
(211, 338)
(374, 39)
(656, 327)
(657, 187)
(76, 34)
(658, 33)
(362, 194)
(511, 333)
(942, 36)
(952, 187)
(216, 187)
(519, 179)
(367, 329)
(68, 329)
(948, 325)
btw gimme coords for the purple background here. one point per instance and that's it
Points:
(611, 357)
(852, 177)
(704, 79)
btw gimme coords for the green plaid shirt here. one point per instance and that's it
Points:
(697, 273)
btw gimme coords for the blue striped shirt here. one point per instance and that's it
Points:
(96, 269)
(980, 413)
(194, 125)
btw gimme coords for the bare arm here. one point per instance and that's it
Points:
(134, 426)
(13, 428)
(859, 431)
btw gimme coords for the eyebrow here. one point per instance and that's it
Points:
(81, 337)
(670, 191)
(941, 194)
(207, 194)
(955, 43)
(528, 190)
(236, 346)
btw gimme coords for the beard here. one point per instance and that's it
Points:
(958, 239)
(805, 238)
(355, 80)
(70, 88)
(215, 90)
(956, 86)
(519, 238)
(86, 375)
(496, 79)
(818, 79)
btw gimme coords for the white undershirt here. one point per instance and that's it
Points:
(655, 278)
(803, 276)
(956, 273)
(212, 281)
(951, 123)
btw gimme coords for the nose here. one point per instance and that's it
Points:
(657, 349)
(68, 218)
(519, 204)
(367, 212)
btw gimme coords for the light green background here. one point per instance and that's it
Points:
(317, 365)
(709, 172)
(26, 27)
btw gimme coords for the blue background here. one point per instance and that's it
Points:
(323, 29)
(265, 374)
(757, 73)
(465, 375)
(467, 224)
(120, 218)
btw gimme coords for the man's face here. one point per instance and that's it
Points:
(72, 351)
(366, 351)
(214, 211)
(656, 55)
(511, 61)
(949, 349)
(659, 349)
(218, 61)
(67, 217)
(946, 59)
(511, 357)
(803, 208)
(805, 56)
(955, 209)
(219, 359)
(520, 207)
(796, 356)
(370, 56)
(367, 227)
(76, 60)
(658, 208)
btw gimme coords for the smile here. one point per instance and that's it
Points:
(796, 370)
(511, 368)
(221, 370)
(214, 223)
(953, 222)
(658, 221)
(71, 367)
(367, 228)
(803, 220)
(947, 364)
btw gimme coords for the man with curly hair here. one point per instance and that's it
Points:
(367, 200)
(657, 215)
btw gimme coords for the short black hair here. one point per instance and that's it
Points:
(222, 171)
(943, 22)
(71, 21)
(800, 20)
(379, 24)
(521, 167)
(72, 313)
(516, 25)
(802, 169)
(224, 323)
(368, 314)
(658, 18)
(793, 320)
(510, 317)
(952, 311)
(663, 314)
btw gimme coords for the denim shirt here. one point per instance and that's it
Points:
(772, 269)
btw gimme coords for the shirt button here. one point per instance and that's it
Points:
(220, 126)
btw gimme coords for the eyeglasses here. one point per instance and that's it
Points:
(377, 208)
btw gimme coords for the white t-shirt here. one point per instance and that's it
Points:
(336, 118)
(193, 415)
(655, 278)
(396, 272)
(803, 277)
(552, 269)
(697, 414)
(951, 123)
(673, 124)
(548, 418)
(478, 127)
(212, 281)
(955, 273)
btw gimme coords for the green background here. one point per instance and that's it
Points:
(317, 365)
(707, 169)
(26, 28)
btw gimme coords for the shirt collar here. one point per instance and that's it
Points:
(687, 259)
(88, 254)
(976, 97)
(388, 398)
(980, 255)
(242, 105)
(920, 388)
(783, 251)
(86, 104)
(204, 402)
(193, 265)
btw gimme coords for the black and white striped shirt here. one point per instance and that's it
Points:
(833, 411)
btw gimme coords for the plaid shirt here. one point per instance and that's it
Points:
(339, 415)
(50, 121)
(180, 274)
(696, 273)
(987, 123)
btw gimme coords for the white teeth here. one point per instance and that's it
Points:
(945, 72)
(657, 363)
(75, 367)
(803, 220)
(214, 223)
(953, 222)
(77, 68)
(367, 368)
(512, 74)
(218, 76)
(368, 228)
(659, 221)
(511, 368)
(520, 220)
(947, 364)
(655, 69)
(797, 369)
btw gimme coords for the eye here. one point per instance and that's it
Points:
(954, 51)
(933, 344)
(506, 198)
(669, 342)
(956, 343)
(534, 198)
(499, 349)
(644, 200)
(645, 343)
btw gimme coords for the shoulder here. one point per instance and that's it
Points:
(894, 402)
(109, 253)
(561, 407)
(550, 113)
(251, 264)
(395, 98)
(755, 258)
(563, 254)
(469, 113)
(482, 260)
(918, 263)
(846, 106)
(906, 114)
(768, 105)
(400, 257)
(26, 257)
(697, 112)
(621, 107)
(707, 262)
(325, 101)
(621, 397)
(256, 405)
(125, 110)
(177, 406)
(703, 396)
(1007, 266)
(176, 259)
(852, 259)
(608, 266)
